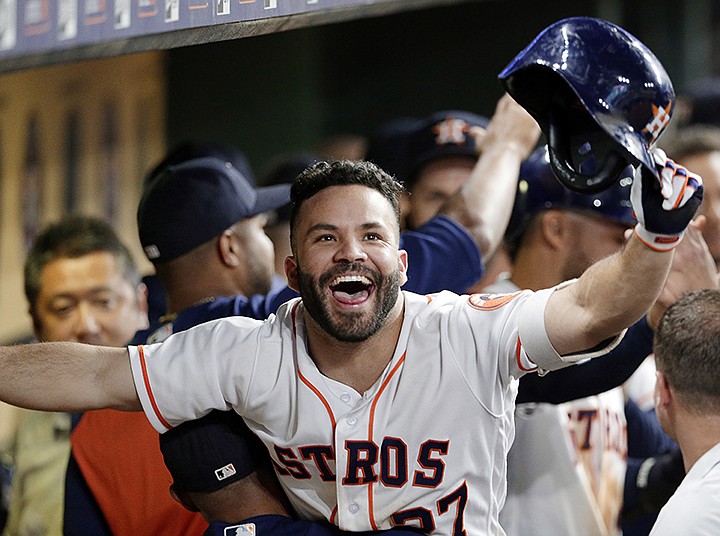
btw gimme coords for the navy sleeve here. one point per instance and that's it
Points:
(82, 515)
(645, 436)
(284, 526)
(441, 256)
(593, 377)
(646, 439)
(633, 520)
(261, 307)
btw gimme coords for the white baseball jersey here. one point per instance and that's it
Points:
(426, 446)
(694, 508)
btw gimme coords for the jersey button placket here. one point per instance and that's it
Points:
(352, 499)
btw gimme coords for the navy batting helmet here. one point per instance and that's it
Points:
(600, 96)
(538, 190)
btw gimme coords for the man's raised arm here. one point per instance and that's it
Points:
(617, 291)
(64, 376)
(484, 203)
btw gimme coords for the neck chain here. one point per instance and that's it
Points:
(170, 317)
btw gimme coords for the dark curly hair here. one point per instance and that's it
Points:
(322, 175)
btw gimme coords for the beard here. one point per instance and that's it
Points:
(348, 326)
(576, 265)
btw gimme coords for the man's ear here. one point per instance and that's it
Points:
(664, 395)
(183, 498)
(403, 265)
(142, 298)
(228, 249)
(553, 228)
(405, 205)
(291, 272)
(36, 322)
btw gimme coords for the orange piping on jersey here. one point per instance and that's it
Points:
(305, 380)
(333, 514)
(518, 348)
(429, 298)
(371, 425)
(148, 389)
(321, 397)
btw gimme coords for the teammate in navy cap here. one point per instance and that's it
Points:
(555, 234)
(540, 190)
(440, 153)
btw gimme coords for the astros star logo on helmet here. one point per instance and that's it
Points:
(451, 130)
(661, 118)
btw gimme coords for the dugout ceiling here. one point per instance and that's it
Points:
(42, 32)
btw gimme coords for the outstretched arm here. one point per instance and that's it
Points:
(484, 203)
(64, 376)
(617, 291)
(692, 268)
(610, 296)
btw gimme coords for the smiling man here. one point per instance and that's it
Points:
(82, 285)
(356, 393)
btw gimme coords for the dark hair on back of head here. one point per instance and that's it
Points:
(73, 237)
(687, 349)
(322, 175)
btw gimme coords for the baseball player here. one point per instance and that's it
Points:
(564, 232)
(208, 197)
(595, 125)
(333, 384)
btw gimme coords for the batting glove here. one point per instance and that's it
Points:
(664, 207)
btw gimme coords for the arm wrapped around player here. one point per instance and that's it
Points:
(664, 204)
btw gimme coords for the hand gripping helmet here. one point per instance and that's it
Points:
(538, 190)
(600, 96)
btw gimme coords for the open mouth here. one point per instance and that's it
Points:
(351, 289)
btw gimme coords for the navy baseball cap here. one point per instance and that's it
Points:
(188, 204)
(190, 150)
(285, 171)
(211, 452)
(387, 146)
(445, 133)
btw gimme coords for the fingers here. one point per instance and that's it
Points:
(512, 124)
(699, 222)
(479, 134)
(677, 183)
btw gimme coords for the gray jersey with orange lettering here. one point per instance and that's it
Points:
(424, 447)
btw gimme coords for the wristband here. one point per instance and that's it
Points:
(656, 241)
